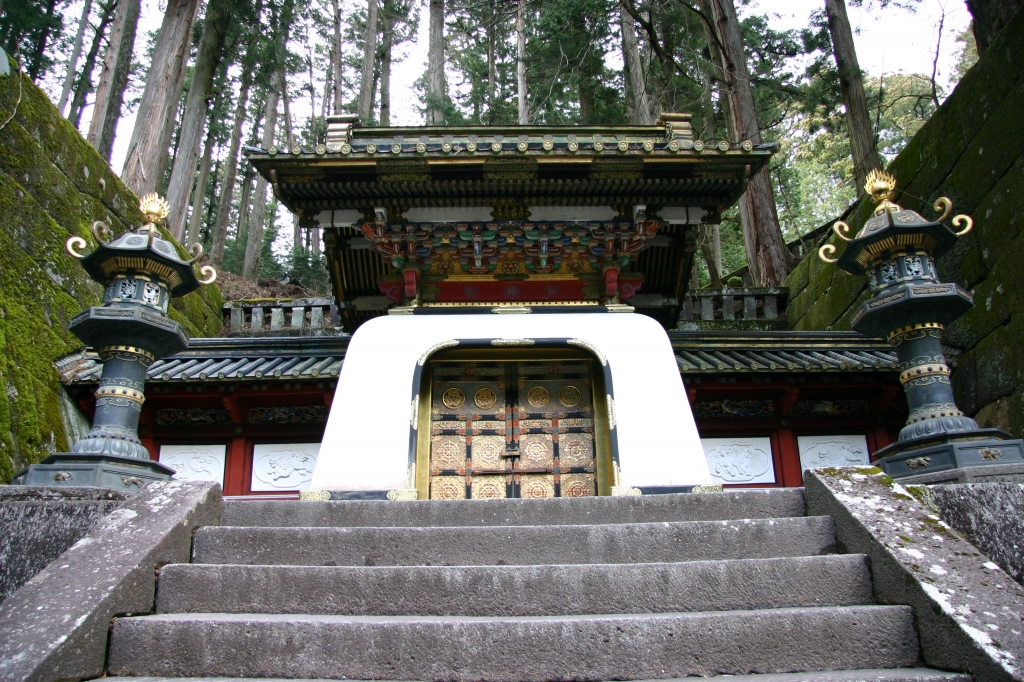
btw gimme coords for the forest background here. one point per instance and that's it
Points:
(172, 91)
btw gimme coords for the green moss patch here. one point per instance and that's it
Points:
(53, 185)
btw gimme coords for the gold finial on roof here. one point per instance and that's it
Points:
(880, 185)
(154, 209)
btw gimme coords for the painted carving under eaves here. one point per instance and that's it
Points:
(512, 260)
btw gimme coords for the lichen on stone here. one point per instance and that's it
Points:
(53, 185)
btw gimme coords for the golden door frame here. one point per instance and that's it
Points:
(604, 439)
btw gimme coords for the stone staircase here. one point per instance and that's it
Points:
(626, 588)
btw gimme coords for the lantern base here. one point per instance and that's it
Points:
(939, 458)
(126, 474)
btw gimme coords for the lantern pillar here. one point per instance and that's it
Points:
(896, 250)
(140, 273)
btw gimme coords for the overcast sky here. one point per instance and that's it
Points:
(889, 40)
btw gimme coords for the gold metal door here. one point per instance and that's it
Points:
(512, 429)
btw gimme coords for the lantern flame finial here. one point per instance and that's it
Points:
(154, 209)
(880, 185)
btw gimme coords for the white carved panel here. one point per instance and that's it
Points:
(739, 460)
(283, 466)
(832, 451)
(195, 462)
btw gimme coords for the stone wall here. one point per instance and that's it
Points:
(971, 150)
(38, 524)
(53, 185)
(990, 516)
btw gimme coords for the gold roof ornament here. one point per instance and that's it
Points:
(154, 209)
(881, 186)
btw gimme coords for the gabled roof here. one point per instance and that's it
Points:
(227, 360)
(288, 359)
(659, 165)
(780, 352)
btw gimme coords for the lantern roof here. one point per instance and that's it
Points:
(142, 251)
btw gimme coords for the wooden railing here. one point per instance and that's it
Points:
(733, 308)
(286, 317)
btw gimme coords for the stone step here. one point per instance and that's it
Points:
(834, 580)
(516, 545)
(874, 675)
(612, 647)
(734, 504)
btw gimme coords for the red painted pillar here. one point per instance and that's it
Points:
(235, 470)
(789, 459)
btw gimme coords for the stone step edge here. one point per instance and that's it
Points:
(655, 587)
(869, 675)
(613, 647)
(553, 527)
(269, 618)
(761, 503)
(696, 564)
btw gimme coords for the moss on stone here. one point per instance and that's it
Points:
(797, 279)
(998, 219)
(971, 150)
(827, 299)
(53, 185)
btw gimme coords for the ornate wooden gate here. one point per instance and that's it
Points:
(512, 429)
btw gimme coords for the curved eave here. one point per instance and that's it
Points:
(227, 361)
(692, 191)
(688, 177)
(778, 353)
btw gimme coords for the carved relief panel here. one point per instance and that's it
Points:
(832, 451)
(283, 466)
(512, 429)
(195, 462)
(739, 460)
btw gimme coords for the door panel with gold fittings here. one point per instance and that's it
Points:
(511, 428)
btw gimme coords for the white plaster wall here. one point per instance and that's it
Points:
(366, 443)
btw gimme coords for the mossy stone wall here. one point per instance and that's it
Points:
(972, 151)
(53, 185)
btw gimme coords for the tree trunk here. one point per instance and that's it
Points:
(435, 65)
(365, 108)
(220, 230)
(716, 247)
(643, 113)
(524, 112)
(492, 65)
(171, 137)
(328, 93)
(76, 52)
(851, 81)
(289, 133)
(147, 152)
(211, 47)
(337, 57)
(707, 251)
(989, 17)
(83, 86)
(289, 136)
(117, 63)
(39, 49)
(206, 235)
(199, 193)
(767, 256)
(385, 73)
(707, 72)
(254, 238)
(376, 82)
(586, 94)
(245, 206)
